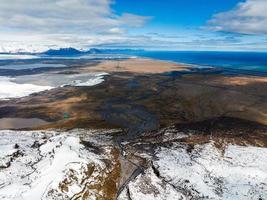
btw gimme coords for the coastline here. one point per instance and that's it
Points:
(173, 93)
(138, 65)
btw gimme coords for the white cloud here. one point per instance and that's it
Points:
(62, 22)
(249, 17)
(134, 20)
(64, 15)
(36, 25)
(116, 31)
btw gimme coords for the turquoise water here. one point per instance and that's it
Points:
(251, 61)
(235, 61)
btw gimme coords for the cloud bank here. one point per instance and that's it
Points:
(249, 17)
(62, 22)
(64, 16)
(37, 25)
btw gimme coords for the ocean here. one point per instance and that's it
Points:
(247, 61)
(250, 62)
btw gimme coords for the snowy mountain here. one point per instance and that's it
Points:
(57, 51)
(13, 48)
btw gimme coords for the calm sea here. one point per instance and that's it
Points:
(252, 61)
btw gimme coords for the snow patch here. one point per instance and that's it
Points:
(99, 78)
(9, 89)
(50, 165)
(239, 173)
(13, 88)
(149, 187)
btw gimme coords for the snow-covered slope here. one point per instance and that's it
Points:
(22, 48)
(205, 173)
(51, 165)
(87, 164)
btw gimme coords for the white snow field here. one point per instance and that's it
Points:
(60, 165)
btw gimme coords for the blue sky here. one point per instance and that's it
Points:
(175, 13)
(232, 25)
(188, 19)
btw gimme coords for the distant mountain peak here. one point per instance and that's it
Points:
(63, 52)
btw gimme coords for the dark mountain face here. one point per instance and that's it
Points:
(63, 52)
(72, 51)
(75, 52)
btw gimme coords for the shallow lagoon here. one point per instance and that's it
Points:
(31, 66)
(22, 86)
(20, 123)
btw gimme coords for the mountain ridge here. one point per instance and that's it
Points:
(69, 51)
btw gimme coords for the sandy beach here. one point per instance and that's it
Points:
(137, 65)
